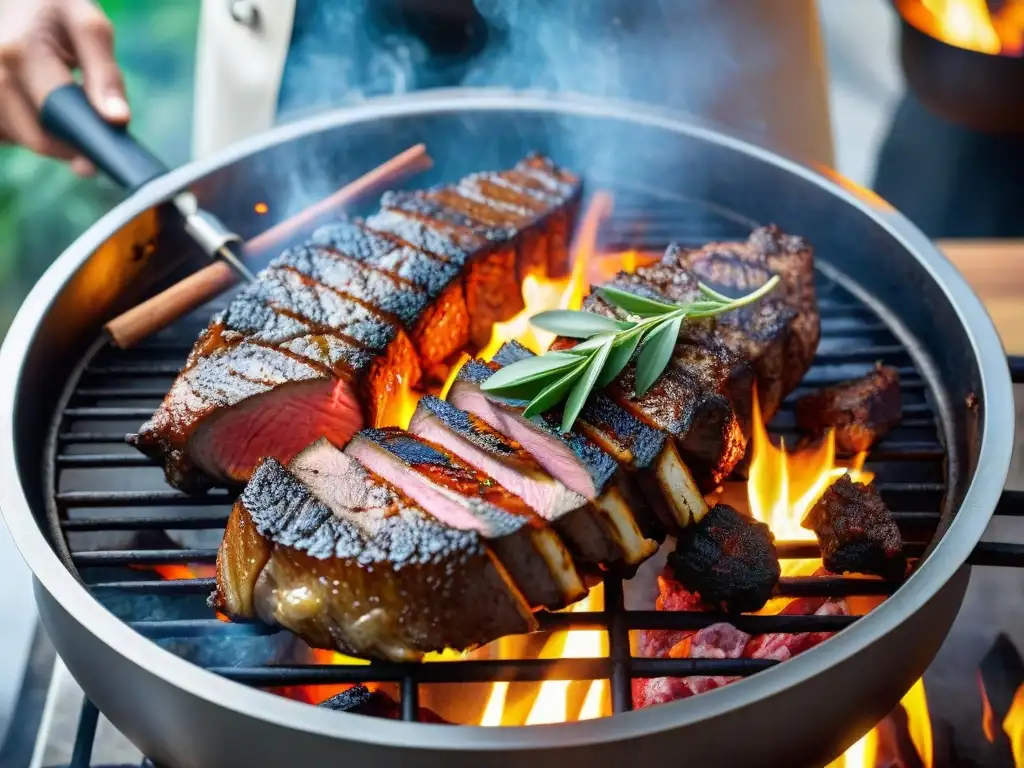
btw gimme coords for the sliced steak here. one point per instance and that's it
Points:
(648, 457)
(339, 329)
(578, 522)
(342, 559)
(572, 458)
(467, 499)
(860, 411)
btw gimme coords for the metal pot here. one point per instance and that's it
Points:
(803, 711)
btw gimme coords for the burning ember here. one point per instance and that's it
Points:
(970, 24)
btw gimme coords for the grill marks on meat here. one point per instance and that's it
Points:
(356, 316)
(571, 458)
(856, 531)
(729, 559)
(342, 559)
(466, 499)
(860, 411)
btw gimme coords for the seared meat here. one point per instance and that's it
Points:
(337, 330)
(582, 526)
(360, 700)
(467, 499)
(647, 456)
(729, 559)
(856, 531)
(860, 411)
(573, 459)
(339, 557)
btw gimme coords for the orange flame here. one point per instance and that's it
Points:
(782, 487)
(261, 208)
(919, 723)
(970, 24)
(1013, 726)
(988, 717)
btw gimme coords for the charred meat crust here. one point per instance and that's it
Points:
(729, 559)
(372, 305)
(403, 583)
(465, 498)
(856, 531)
(860, 411)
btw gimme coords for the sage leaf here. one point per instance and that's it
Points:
(581, 390)
(555, 392)
(656, 353)
(618, 358)
(576, 324)
(639, 305)
(525, 378)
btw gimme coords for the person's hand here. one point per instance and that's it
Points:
(41, 43)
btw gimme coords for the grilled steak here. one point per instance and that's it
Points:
(466, 499)
(573, 459)
(856, 531)
(645, 453)
(729, 559)
(336, 330)
(342, 559)
(580, 524)
(860, 411)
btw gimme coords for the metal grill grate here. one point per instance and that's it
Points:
(110, 506)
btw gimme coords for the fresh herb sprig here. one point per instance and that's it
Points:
(651, 326)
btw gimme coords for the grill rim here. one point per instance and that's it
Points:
(979, 501)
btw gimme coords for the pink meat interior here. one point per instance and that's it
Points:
(545, 495)
(443, 504)
(550, 452)
(279, 423)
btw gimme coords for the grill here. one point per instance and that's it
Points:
(104, 492)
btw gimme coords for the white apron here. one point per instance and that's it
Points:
(240, 63)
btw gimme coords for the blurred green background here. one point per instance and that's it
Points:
(43, 206)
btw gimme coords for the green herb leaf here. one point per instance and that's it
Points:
(581, 390)
(638, 305)
(555, 392)
(621, 354)
(577, 324)
(656, 353)
(525, 378)
(714, 295)
(594, 342)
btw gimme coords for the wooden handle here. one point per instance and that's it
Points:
(195, 290)
(993, 268)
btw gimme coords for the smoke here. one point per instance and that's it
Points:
(722, 62)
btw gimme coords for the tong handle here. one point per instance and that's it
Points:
(68, 116)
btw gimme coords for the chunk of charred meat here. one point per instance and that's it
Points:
(337, 329)
(467, 499)
(729, 559)
(860, 411)
(572, 459)
(360, 700)
(338, 556)
(856, 531)
(645, 453)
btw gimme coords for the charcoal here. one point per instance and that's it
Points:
(729, 559)
(361, 700)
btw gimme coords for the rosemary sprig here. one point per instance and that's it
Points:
(651, 326)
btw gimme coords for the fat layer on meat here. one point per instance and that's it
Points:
(338, 556)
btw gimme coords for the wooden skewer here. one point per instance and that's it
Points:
(181, 298)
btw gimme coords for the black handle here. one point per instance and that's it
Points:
(1016, 369)
(68, 115)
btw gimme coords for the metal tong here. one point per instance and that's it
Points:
(68, 116)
